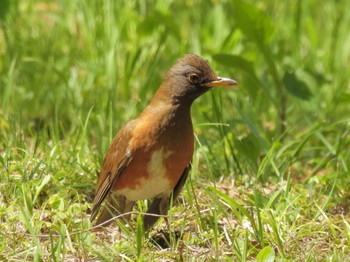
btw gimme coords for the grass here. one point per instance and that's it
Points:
(270, 173)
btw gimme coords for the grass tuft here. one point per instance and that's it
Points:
(270, 173)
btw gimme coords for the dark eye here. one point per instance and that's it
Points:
(194, 78)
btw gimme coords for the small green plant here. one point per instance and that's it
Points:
(270, 173)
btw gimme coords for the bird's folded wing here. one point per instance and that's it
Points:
(181, 181)
(117, 159)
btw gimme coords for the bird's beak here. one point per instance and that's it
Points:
(222, 81)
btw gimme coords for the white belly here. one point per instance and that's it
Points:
(156, 184)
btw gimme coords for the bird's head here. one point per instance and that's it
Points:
(190, 77)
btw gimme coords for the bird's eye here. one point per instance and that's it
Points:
(194, 78)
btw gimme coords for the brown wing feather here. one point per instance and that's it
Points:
(117, 158)
(180, 184)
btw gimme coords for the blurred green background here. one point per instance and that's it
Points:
(73, 72)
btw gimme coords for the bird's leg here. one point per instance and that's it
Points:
(164, 208)
(154, 209)
(166, 220)
(159, 206)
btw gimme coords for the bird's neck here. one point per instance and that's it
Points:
(163, 98)
(164, 106)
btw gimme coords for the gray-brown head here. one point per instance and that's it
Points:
(190, 77)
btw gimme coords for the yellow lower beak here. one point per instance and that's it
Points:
(222, 81)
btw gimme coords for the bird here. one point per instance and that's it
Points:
(150, 157)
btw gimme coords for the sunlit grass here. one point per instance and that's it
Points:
(270, 173)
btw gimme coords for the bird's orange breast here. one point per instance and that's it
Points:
(156, 169)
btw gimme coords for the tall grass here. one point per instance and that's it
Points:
(270, 173)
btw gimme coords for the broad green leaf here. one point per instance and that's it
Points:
(345, 98)
(249, 146)
(156, 19)
(4, 8)
(253, 22)
(251, 81)
(296, 87)
(235, 62)
(267, 254)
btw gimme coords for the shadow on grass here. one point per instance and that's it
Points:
(164, 239)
